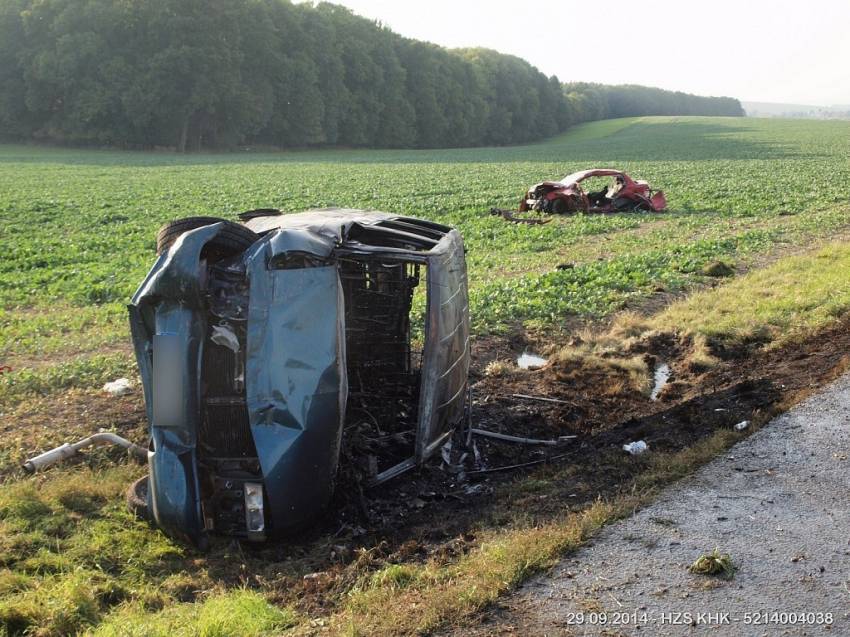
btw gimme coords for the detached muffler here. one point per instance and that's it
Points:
(69, 450)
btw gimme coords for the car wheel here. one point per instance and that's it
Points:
(232, 239)
(137, 499)
(559, 207)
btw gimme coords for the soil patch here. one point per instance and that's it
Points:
(436, 512)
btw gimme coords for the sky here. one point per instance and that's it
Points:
(788, 51)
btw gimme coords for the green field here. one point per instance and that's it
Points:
(78, 227)
(78, 234)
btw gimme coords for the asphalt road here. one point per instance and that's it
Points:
(778, 503)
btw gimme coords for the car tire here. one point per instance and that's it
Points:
(137, 499)
(232, 239)
(559, 207)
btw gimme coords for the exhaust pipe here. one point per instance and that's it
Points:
(68, 450)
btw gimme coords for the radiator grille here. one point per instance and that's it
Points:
(225, 432)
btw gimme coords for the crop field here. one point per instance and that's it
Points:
(78, 235)
(79, 226)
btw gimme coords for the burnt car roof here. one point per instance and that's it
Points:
(354, 228)
(593, 172)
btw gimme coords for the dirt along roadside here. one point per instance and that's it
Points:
(778, 503)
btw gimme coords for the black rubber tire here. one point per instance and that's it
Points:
(232, 239)
(137, 499)
(559, 207)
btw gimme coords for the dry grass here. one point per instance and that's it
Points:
(785, 301)
(499, 367)
(605, 356)
(428, 595)
(700, 358)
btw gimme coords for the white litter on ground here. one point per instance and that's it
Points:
(662, 375)
(118, 387)
(742, 425)
(636, 448)
(530, 361)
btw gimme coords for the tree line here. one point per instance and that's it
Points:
(191, 74)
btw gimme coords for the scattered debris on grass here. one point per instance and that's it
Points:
(459, 550)
(660, 378)
(514, 217)
(69, 450)
(118, 387)
(520, 440)
(540, 398)
(742, 425)
(714, 563)
(527, 360)
(636, 448)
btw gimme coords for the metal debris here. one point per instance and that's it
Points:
(636, 448)
(68, 450)
(520, 440)
(541, 398)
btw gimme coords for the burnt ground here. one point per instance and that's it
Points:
(778, 504)
(435, 512)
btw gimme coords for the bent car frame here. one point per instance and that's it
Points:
(258, 343)
(567, 196)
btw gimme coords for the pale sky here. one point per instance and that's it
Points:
(790, 51)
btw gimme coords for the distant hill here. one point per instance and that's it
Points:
(804, 111)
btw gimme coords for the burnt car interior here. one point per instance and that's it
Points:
(605, 196)
(383, 362)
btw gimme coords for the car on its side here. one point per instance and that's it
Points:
(260, 343)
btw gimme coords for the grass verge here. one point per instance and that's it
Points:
(429, 595)
(72, 560)
(790, 299)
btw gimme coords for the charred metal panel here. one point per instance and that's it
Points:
(165, 312)
(446, 361)
(295, 381)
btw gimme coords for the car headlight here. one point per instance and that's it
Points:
(254, 519)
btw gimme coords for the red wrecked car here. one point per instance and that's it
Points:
(567, 196)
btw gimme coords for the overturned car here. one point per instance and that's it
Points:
(260, 342)
(567, 196)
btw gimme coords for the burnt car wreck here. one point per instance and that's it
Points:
(261, 344)
(624, 194)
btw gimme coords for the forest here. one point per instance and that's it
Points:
(196, 74)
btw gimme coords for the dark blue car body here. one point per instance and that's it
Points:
(253, 363)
